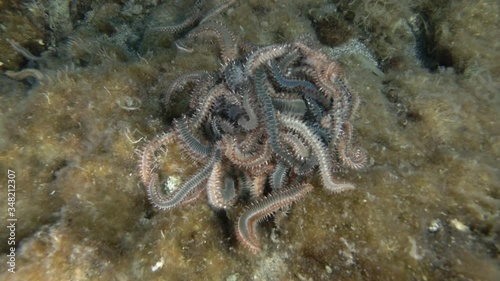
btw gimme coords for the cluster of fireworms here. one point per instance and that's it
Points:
(260, 127)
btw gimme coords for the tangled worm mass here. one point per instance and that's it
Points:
(260, 127)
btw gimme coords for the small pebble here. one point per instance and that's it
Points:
(435, 226)
(459, 225)
(328, 269)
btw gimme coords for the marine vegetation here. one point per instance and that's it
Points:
(260, 127)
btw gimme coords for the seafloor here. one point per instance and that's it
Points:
(427, 208)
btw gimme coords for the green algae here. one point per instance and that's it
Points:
(426, 209)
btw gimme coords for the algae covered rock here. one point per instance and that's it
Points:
(82, 94)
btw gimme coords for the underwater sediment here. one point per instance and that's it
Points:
(82, 89)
